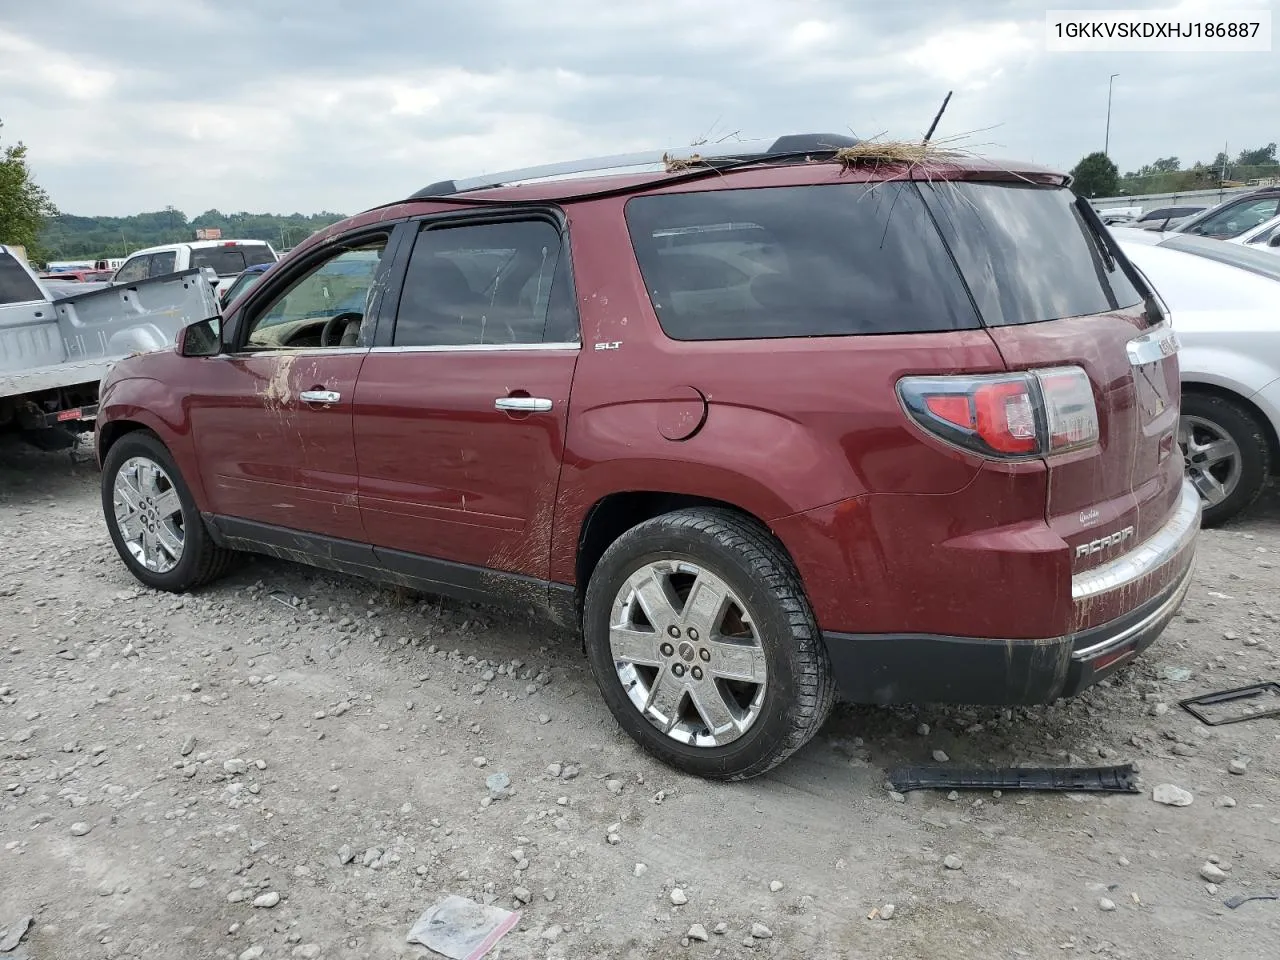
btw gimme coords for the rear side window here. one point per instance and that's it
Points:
(491, 283)
(162, 263)
(133, 270)
(15, 285)
(1026, 252)
(227, 261)
(809, 261)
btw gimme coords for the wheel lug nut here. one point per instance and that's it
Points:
(697, 673)
(678, 670)
(693, 634)
(673, 631)
(705, 654)
(667, 649)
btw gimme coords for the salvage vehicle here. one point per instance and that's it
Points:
(764, 420)
(226, 258)
(57, 342)
(1223, 300)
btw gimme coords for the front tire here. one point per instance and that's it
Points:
(1225, 453)
(704, 646)
(152, 517)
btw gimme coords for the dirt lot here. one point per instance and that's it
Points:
(166, 761)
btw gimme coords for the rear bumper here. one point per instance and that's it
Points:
(928, 668)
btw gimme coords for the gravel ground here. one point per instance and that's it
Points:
(185, 777)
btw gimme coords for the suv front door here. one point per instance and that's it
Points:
(461, 408)
(273, 426)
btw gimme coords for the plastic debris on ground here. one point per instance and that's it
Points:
(462, 929)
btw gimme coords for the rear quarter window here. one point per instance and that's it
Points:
(1026, 252)
(805, 261)
(15, 285)
(228, 261)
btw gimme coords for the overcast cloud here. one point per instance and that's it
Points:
(309, 105)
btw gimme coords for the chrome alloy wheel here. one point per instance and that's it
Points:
(687, 653)
(1211, 458)
(148, 514)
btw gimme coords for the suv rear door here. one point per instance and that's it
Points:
(461, 408)
(1051, 293)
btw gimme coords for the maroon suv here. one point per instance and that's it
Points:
(768, 426)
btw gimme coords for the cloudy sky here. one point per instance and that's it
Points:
(309, 105)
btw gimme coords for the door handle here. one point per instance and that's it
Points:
(319, 396)
(523, 404)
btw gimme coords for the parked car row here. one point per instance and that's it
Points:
(765, 425)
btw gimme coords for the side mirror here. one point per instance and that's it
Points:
(201, 339)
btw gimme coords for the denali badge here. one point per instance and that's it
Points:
(1104, 543)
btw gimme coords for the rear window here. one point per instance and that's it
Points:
(1026, 252)
(15, 285)
(228, 261)
(805, 261)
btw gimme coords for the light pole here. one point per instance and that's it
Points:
(1106, 143)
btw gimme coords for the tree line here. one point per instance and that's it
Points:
(69, 237)
(1097, 176)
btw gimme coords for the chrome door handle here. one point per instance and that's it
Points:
(319, 396)
(523, 404)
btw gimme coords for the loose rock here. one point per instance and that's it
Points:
(761, 932)
(1213, 873)
(952, 862)
(698, 932)
(267, 900)
(678, 897)
(1171, 795)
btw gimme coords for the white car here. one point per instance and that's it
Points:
(227, 258)
(1224, 303)
(1265, 236)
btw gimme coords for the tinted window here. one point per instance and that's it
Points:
(15, 285)
(133, 270)
(162, 263)
(484, 283)
(796, 262)
(1235, 219)
(243, 283)
(1027, 253)
(227, 261)
(299, 315)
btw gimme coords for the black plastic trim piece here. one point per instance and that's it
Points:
(557, 601)
(1192, 704)
(1117, 779)
(888, 668)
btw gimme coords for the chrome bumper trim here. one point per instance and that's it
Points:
(1161, 547)
(1166, 609)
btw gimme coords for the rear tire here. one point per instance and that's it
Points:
(726, 687)
(153, 519)
(1227, 486)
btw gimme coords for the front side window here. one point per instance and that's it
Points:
(804, 261)
(133, 270)
(15, 285)
(491, 283)
(324, 308)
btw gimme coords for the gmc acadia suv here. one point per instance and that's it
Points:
(767, 425)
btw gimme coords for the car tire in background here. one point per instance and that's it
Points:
(153, 519)
(704, 645)
(1225, 452)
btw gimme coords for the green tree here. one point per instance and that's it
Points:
(1095, 176)
(1259, 157)
(23, 204)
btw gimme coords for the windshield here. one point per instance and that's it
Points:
(230, 259)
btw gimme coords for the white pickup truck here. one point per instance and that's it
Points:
(55, 348)
(226, 258)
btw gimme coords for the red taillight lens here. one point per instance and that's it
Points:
(1013, 415)
(1006, 417)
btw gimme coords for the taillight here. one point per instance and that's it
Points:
(1007, 415)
